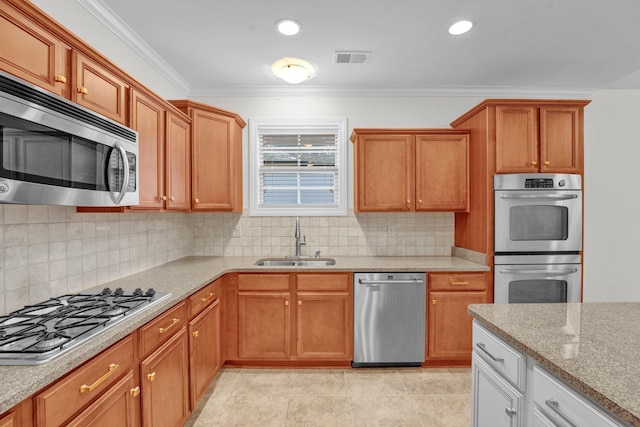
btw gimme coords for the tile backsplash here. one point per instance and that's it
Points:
(52, 250)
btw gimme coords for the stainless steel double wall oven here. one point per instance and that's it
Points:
(538, 238)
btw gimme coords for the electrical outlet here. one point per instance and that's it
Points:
(391, 230)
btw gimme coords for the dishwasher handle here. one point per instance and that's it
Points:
(391, 282)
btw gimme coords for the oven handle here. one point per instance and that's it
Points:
(539, 196)
(537, 272)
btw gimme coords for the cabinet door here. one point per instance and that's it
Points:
(449, 325)
(31, 53)
(494, 402)
(165, 383)
(98, 89)
(385, 173)
(442, 173)
(324, 325)
(178, 163)
(264, 330)
(116, 407)
(147, 117)
(516, 139)
(561, 139)
(213, 162)
(204, 355)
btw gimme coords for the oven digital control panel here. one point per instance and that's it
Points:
(538, 183)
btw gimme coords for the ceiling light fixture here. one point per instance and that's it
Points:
(288, 27)
(460, 27)
(293, 70)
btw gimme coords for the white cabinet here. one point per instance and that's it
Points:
(511, 389)
(563, 406)
(496, 403)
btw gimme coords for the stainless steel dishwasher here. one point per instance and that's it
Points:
(389, 319)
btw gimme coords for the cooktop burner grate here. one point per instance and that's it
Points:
(42, 332)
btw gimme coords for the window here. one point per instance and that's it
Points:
(298, 167)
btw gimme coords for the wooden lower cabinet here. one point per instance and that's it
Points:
(295, 317)
(449, 326)
(20, 415)
(264, 325)
(116, 407)
(205, 357)
(164, 383)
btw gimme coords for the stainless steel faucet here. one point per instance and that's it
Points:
(297, 236)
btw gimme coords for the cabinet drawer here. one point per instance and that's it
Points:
(563, 405)
(161, 328)
(323, 282)
(263, 282)
(203, 298)
(58, 402)
(457, 281)
(499, 355)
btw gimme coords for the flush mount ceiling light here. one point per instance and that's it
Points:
(460, 27)
(293, 70)
(288, 27)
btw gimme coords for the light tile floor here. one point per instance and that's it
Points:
(335, 397)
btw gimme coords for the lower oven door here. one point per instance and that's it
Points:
(524, 279)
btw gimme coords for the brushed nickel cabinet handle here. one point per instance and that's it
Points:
(482, 347)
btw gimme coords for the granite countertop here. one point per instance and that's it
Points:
(594, 347)
(182, 278)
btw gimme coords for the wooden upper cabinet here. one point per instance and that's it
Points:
(216, 157)
(539, 139)
(385, 170)
(561, 139)
(98, 88)
(411, 170)
(148, 118)
(31, 52)
(178, 163)
(442, 172)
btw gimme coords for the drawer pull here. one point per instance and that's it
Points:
(458, 283)
(83, 90)
(163, 330)
(196, 334)
(555, 407)
(482, 347)
(151, 376)
(135, 391)
(60, 78)
(112, 369)
(208, 297)
(510, 411)
(286, 303)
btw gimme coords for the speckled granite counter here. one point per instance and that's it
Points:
(594, 347)
(182, 278)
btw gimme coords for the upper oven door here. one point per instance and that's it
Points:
(538, 221)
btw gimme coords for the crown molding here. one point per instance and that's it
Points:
(425, 91)
(114, 23)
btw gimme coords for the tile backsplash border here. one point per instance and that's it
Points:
(52, 250)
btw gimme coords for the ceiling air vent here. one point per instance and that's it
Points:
(350, 57)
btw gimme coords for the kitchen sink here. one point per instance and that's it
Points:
(295, 262)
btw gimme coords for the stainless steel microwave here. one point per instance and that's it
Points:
(55, 152)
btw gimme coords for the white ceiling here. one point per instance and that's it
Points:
(545, 47)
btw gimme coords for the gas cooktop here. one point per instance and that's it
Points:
(43, 332)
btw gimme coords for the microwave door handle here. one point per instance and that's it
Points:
(125, 182)
(562, 272)
(539, 196)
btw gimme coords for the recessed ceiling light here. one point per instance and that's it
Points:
(460, 27)
(288, 27)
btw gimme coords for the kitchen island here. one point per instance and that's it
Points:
(592, 347)
(182, 278)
